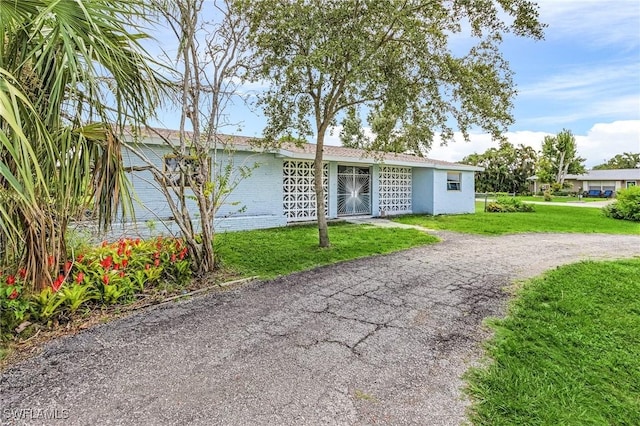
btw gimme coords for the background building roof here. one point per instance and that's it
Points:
(614, 174)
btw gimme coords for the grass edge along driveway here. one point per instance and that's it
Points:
(568, 351)
(269, 253)
(544, 219)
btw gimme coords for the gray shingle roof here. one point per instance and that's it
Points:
(307, 151)
(617, 174)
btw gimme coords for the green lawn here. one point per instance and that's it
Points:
(544, 219)
(272, 252)
(568, 353)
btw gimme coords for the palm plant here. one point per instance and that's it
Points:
(72, 76)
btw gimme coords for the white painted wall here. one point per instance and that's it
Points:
(452, 201)
(422, 191)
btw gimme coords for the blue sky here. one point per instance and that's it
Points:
(584, 76)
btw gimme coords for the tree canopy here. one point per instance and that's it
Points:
(390, 60)
(506, 168)
(559, 157)
(626, 160)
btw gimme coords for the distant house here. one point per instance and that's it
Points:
(605, 180)
(602, 180)
(280, 190)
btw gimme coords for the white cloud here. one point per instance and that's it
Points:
(593, 21)
(602, 141)
(585, 82)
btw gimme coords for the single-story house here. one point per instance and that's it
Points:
(605, 180)
(280, 189)
(602, 180)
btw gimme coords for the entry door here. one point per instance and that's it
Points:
(354, 191)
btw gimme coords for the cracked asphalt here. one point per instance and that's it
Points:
(382, 340)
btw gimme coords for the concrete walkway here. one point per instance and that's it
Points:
(381, 340)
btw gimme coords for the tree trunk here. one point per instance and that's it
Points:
(560, 176)
(323, 232)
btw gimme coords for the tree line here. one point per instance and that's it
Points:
(508, 167)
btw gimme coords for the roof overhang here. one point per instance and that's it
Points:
(150, 139)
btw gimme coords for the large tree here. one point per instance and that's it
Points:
(72, 74)
(391, 60)
(559, 157)
(506, 168)
(626, 160)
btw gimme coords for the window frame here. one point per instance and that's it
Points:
(453, 184)
(172, 176)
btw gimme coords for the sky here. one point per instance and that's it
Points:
(584, 76)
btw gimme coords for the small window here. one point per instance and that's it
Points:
(172, 170)
(453, 181)
(631, 183)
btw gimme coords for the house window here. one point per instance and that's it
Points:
(631, 183)
(189, 165)
(453, 181)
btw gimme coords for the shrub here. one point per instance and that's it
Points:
(565, 193)
(626, 206)
(105, 275)
(547, 196)
(509, 205)
(13, 307)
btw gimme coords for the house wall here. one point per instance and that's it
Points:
(332, 211)
(422, 190)
(256, 201)
(453, 201)
(375, 190)
(575, 185)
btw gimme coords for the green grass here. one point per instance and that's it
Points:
(272, 252)
(545, 219)
(568, 353)
(561, 199)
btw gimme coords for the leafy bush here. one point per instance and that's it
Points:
(109, 274)
(547, 196)
(626, 206)
(13, 307)
(509, 205)
(565, 193)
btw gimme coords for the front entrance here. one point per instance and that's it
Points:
(354, 191)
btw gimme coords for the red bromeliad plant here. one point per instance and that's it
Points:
(111, 273)
(13, 307)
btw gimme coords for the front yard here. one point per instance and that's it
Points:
(545, 219)
(567, 353)
(280, 251)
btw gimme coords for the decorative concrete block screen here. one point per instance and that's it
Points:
(297, 184)
(395, 190)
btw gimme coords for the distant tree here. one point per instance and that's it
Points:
(506, 168)
(559, 157)
(327, 60)
(626, 160)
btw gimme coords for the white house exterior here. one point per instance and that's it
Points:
(280, 190)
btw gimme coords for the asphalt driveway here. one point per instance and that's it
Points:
(382, 340)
